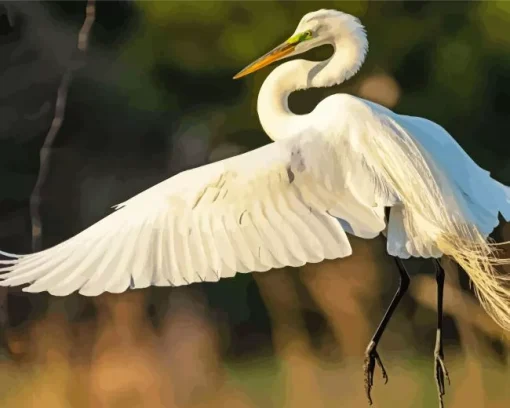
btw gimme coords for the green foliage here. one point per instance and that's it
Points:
(493, 17)
(439, 52)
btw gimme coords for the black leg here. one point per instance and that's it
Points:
(439, 366)
(371, 355)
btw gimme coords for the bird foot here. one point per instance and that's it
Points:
(371, 358)
(440, 373)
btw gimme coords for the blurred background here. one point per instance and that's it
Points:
(153, 95)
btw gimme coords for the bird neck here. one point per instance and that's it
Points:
(277, 120)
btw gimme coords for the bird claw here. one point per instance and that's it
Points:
(371, 358)
(440, 372)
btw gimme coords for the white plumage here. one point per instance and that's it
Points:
(260, 210)
(292, 201)
(268, 208)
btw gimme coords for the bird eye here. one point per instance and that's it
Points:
(308, 34)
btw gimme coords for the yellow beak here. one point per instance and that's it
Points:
(274, 55)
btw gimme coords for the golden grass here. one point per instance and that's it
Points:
(120, 360)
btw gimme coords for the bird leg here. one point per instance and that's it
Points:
(371, 355)
(439, 367)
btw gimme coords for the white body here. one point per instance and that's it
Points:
(287, 203)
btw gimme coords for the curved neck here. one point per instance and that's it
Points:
(276, 118)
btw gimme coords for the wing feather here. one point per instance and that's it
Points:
(142, 268)
(282, 232)
(286, 233)
(224, 247)
(185, 254)
(264, 209)
(179, 269)
(246, 260)
(82, 271)
(97, 283)
(173, 254)
(120, 278)
(309, 244)
(272, 248)
(161, 249)
(214, 251)
(200, 258)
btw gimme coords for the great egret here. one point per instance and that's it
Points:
(332, 171)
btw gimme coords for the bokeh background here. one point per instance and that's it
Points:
(152, 96)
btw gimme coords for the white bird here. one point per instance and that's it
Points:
(332, 171)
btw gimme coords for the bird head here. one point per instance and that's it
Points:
(315, 29)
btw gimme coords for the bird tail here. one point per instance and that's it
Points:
(436, 215)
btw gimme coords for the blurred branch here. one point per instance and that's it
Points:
(56, 124)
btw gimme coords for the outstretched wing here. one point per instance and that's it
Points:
(272, 207)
